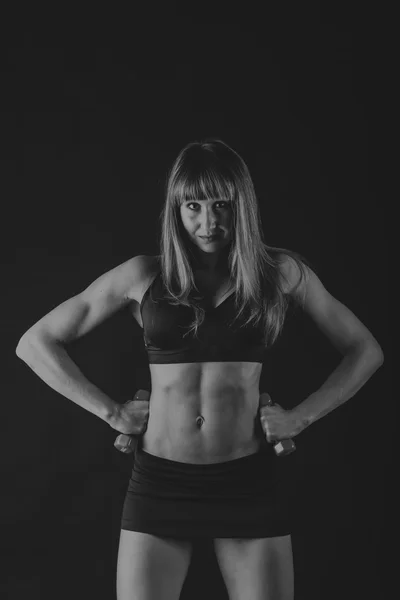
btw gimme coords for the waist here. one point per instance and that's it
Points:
(203, 429)
(191, 451)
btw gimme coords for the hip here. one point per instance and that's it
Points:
(201, 447)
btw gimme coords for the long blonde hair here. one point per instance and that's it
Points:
(211, 169)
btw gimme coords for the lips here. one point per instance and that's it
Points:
(209, 238)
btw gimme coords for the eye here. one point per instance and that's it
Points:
(196, 204)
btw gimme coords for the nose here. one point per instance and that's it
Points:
(208, 222)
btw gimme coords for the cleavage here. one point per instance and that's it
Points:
(214, 289)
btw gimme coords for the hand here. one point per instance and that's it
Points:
(132, 417)
(278, 423)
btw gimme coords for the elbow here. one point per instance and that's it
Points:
(379, 360)
(31, 341)
(369, 351)
(22, 346)
(375, 353)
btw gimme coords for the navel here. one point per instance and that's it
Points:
(199, 421)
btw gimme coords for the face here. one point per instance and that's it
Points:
(208, 217)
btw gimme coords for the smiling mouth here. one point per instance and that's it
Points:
(212, 237)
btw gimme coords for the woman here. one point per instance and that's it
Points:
(210, 310)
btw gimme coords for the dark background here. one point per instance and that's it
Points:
(91, 120)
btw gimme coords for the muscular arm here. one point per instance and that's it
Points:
(43, 346)
(362, 355)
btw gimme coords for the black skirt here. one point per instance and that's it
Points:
(241, 498)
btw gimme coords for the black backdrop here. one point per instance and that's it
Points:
(90, 126)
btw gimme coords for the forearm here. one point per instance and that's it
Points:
(51, 362)
(352, 373)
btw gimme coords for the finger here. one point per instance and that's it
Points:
(269, 438)
(138, 405)
(266, 412)
(265, 426)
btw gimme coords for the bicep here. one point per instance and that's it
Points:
(83, 312)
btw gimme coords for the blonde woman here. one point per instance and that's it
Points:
(211, 305)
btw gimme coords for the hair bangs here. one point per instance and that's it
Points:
(203, 185)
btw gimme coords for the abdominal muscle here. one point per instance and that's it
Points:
(203, 412)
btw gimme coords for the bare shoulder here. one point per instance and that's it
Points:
(291, 276)
(122, 281)
(143, 269)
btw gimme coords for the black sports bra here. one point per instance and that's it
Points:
(164, 326)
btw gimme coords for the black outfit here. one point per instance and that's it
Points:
(238, 498)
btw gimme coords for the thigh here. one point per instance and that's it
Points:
(260, 569)
(151, 567)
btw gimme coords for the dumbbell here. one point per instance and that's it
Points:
(127, 443)
(281, 447)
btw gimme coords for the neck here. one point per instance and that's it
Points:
(212, 264)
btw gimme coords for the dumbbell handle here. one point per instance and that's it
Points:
(127, 443)
(281, 447)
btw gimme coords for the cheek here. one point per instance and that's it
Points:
(188, 223)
